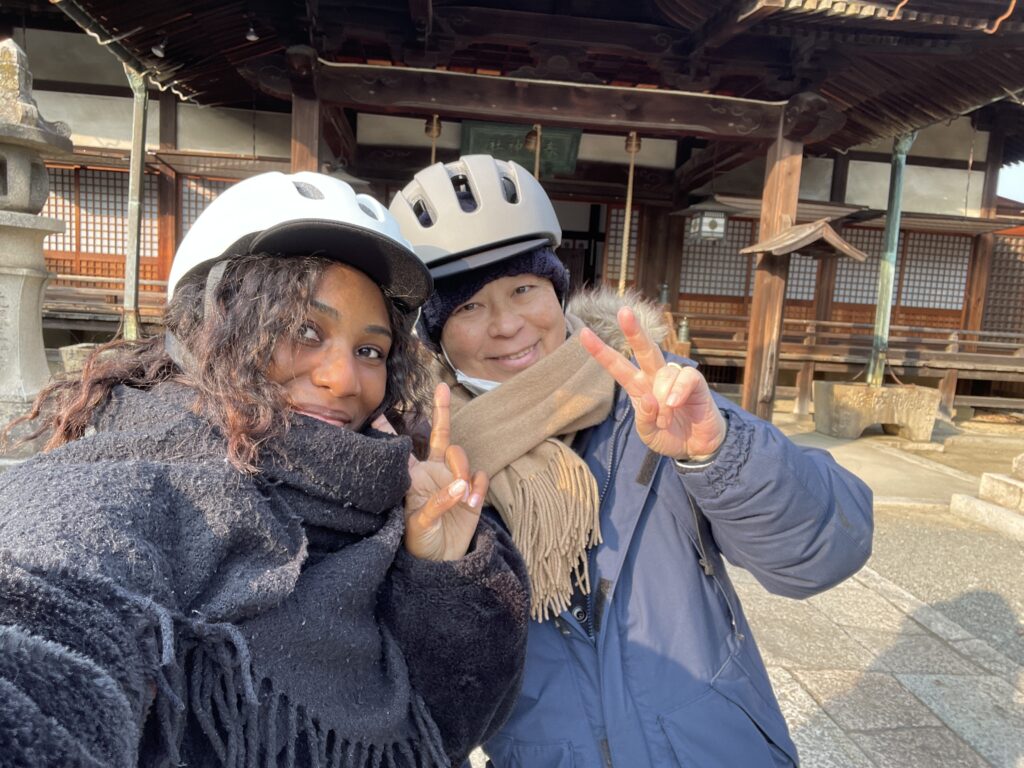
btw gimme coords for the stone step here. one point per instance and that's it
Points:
(991, 515)
(1004, 490)
(1018, 467)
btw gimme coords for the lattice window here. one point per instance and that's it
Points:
(857, 282)
(715, 267)
(149, 236)
(935, 274)
(803, 275)
(61, 205)
(94, 207)
(196, 194)
(103, 205)
(613, 245)
(1004, 299)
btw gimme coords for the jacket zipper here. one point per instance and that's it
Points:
(600, 502)
(709, 568)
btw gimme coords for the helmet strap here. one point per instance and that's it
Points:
(172, 344)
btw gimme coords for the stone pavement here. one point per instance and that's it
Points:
(915, 662)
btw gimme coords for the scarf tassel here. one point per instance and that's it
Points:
(554, 518)
(246, 730)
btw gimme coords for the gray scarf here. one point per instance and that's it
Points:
(269, 650)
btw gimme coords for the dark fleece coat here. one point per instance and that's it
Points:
(158, 608)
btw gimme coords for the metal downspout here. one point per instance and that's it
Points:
(887, 264)
(140, 104)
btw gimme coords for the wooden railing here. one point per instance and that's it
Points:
(841, 347)
(100, 298)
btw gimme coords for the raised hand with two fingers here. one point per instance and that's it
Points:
(442, 506)
(676, 414)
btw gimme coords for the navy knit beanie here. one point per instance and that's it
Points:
(452, 292)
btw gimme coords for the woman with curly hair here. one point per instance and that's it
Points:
(225, 555)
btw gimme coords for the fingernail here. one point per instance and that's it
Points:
(474, 500)
(673, 401)
(456, 489)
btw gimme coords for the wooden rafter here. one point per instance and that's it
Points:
(522, 28)
(703, 167)
(862, 12)
(732, 20)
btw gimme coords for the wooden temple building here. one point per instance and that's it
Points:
(754, 116)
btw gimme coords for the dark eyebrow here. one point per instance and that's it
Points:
(327, 310)
(319, 306)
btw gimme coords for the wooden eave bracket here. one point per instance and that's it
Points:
(302, 70)
(804, 237)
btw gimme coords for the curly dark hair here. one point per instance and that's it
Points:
(259, 300)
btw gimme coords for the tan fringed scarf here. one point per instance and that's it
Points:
(520, 434)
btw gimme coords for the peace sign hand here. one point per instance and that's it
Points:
(676, 415)
(442, 506)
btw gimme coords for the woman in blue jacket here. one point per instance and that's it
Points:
(624, 481)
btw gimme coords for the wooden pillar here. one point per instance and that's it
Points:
(840, 177)
(981, 253)
(824, 288)
(651, 261)
(167, 188)
(674, 258)
(778, 211)
(305, 133)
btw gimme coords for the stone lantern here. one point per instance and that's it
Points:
(24, 139)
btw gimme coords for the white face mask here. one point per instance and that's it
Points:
(474, 385)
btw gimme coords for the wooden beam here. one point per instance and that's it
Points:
(927, 162)
(649, 43)
(778, 210)
(592, 181)
(730, 22)
(653, 112)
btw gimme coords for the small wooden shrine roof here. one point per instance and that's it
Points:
(811, 239)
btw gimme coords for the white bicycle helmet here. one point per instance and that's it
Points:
(474, 211)
(305, 214)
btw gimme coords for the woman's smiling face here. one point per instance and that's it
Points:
(335, 369)
(504, 328)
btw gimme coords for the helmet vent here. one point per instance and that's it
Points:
(464, 193)
(509, 190)
(308, 190)
(422, 214)
(369, 211)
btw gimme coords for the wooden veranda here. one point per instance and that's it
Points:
(729, 81)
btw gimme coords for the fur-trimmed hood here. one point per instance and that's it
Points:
(598, 309)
